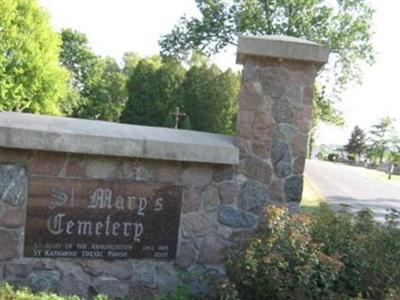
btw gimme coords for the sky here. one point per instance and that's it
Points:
(118, 26)
(378, 95)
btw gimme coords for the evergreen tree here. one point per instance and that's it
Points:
(357, 142)
(169, 121)
(210, 98)
(186, 123)
(153, 91)
(206, 94)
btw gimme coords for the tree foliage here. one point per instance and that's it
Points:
(97, 85)
(323, 111)
(84, 67)
(382, 138)
(357, 142)
(153, 91)
(395, 150)
(31, 79)
(210, 98)
(107, 95)
(345, 26)
(186, 124)
(205, 93)
(130, 61)
(79, 59)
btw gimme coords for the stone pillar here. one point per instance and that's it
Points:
(275, 111)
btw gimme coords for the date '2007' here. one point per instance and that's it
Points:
(160, 254)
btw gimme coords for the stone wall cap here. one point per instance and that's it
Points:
(284, 47)
(48, 133)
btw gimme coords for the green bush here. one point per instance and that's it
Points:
(351, 157)
(321, 155)
(333, 157)
(322, 256)
(7, 292)
(370, 252)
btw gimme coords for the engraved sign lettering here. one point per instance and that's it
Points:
(101, 219)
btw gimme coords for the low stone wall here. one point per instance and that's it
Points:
(209, 218)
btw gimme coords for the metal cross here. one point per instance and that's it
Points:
(177, 115)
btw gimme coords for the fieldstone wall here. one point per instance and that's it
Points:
(218, 204)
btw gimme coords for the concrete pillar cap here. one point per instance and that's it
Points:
(281, 47)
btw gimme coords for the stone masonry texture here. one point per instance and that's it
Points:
(274, 119)
(210, 215)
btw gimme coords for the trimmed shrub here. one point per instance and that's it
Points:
(320, 256)
(351, 157)
(333, 157)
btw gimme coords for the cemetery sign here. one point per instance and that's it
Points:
(101, 219)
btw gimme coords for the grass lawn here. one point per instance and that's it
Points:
(312, 197)
(381, 175)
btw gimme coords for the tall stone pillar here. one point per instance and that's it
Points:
(275, 111)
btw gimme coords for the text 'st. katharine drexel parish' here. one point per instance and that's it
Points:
(101, 219)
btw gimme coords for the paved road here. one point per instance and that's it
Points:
(342, 184)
